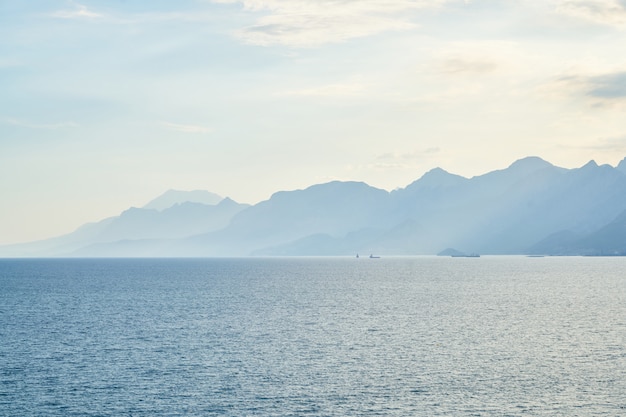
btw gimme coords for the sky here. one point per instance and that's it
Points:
(106, 104)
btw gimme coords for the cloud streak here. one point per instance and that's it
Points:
(606, 12)
(79, 12)
(599, 89)
(607, 86)
(310, 23)
(616, 144)
(606, 145)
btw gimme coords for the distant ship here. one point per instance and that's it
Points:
(374, 257)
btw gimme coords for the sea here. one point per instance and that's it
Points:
(328, 336)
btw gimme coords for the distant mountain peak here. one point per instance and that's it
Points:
(337, 184)
(229, 202)
(335, 187)
(437, 177)
(173, 197)
(517, 170)
(530, 163)
(436, 171)
(502, 212)
(590, 164)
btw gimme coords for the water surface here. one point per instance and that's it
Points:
(423, 336)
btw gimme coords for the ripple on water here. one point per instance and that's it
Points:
(501, 336)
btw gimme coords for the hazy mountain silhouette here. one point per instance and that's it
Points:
(173, 197)
(470, 213)
(609, 240)
(178, 221)
(622, 166)
(501, 212)
(57, 246)
(530, 207)
(335, 209)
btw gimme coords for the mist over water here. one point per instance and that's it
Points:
(424, 336)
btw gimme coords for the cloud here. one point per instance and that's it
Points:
(607, 145)
(187, 128)
(601, 90)
(80, 12)
(47, 126)
(607, 86)
(614, 144)
(309, 23)
(606, 12)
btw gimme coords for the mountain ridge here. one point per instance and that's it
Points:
(507, 211)
(172, 197)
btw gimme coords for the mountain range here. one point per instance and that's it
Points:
(531, 207)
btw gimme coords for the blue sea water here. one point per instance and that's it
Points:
(422, 336)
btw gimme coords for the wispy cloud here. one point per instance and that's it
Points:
(607, 12)
(187, 128)
(30, 125)
(607, 86)
(607, 145)
(307, 23)
(78, 12)
(600, 90)
(614, 144)
(81, 12)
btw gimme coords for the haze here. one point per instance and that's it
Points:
(106, 104)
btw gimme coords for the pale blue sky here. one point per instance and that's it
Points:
(107, 104)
